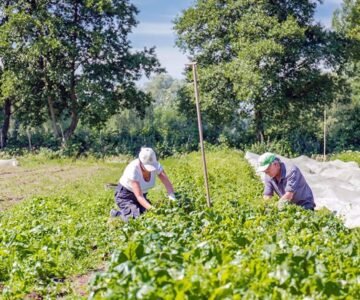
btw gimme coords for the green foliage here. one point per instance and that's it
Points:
(344, 128)
(44, 240)
(263, 59)
(348, 156)
(261, 77)
(163, 89)
(347, 21)
(212, 255)
(239, 248)
(278, 147)
(161, 127)
(71, 60)
(344, 119)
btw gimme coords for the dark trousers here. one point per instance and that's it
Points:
(128, 204)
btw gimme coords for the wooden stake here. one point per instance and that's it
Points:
(193, 64)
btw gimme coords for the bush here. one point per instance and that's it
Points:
(279, 147)
(347, 156)
(344, 128)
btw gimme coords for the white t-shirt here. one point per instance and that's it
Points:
(133, 172)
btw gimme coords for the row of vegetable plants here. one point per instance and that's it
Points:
(240, 248)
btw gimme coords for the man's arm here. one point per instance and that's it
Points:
(292, 184)
(268, 190)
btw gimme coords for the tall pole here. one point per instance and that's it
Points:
(193, 64)
(324, 156)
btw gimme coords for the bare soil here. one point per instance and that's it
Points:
(80, 283)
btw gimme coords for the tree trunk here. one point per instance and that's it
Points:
(6, 124)
(74, 115)
(71, 129)
(259, 125)
(73, 98)
(15, 132)
(28, 133)
(53, 118)
(48, 86)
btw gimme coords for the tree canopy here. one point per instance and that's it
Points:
(269, 56)
(344, 123)
(71, 60)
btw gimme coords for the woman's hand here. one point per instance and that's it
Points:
(172, 197)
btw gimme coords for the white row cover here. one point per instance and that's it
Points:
(8, 163)
(335, 184)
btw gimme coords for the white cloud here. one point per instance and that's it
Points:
(337, 2)
(326, 21)
(173, 60)
(163, 29)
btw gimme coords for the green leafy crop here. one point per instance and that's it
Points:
(241, 248)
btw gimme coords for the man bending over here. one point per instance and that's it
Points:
(286, 180)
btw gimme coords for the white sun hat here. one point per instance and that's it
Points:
(147, 157)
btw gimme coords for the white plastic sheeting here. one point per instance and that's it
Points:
(8, 163)
(335, 185)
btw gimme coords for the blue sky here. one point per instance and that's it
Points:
(155, 29)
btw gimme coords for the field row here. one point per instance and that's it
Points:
(240, 248)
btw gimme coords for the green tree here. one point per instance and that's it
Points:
(344, 122)
(264, 57)
(177, 132)
(163, 89)
(72, 60)
(163, 127)
(347, 22)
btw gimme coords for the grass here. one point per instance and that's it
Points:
(39, 176)
(348, 156)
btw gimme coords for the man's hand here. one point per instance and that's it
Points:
(282, 203)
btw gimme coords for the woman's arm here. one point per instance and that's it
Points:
(139, 195)
(165, 180)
